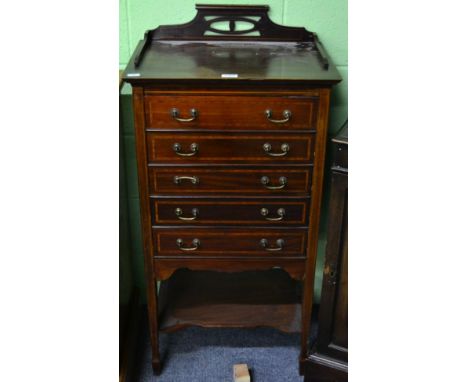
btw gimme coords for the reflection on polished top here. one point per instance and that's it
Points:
(231, 61)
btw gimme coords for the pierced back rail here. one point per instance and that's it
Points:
(203, 27)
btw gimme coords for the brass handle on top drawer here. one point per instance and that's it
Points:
(265, 180)
(193, 179)
(195, 242)
(284, 149)
(193, 148)
(286, 114)
(279, 243)
(179, 212)
(175, 114)
(281, 212)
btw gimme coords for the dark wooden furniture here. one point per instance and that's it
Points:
(129, 309)
(230, 129)
(328, 361)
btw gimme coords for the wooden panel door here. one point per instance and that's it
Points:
(333, 317)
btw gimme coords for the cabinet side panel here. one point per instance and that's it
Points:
(140, 138)
(317, 179)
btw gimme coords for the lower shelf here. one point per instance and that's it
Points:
(236, 300)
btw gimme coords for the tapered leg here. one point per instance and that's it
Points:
(156, 366)
(153, 326)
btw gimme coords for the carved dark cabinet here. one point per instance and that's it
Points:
(230, 128)
(328, 361)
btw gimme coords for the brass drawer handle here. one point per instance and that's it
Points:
(179, 212)
(279, 243)
(286, 114)
(175, 114)
(193, 148)
(284, 149)
(195, 242)
(281, 212)
(193, 179)
(265, 180)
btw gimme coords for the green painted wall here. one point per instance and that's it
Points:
(329, 18)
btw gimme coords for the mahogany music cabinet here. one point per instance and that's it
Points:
(231, 114)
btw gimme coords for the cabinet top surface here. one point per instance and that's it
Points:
(187, 53)
(230, 61)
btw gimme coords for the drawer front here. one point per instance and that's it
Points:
(240, 212)
(199, 148)
(235, 112)
(192, 180)
(229, 242)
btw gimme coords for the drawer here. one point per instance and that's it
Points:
(229, 242)
(222, 180)
(199, 148)
(242, 212)
(236, 112)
